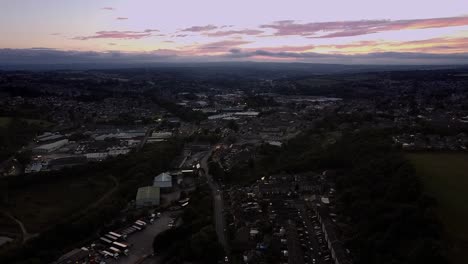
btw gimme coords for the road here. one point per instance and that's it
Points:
(312, 239)
(143, 142)
(220, 222)
(25, 235)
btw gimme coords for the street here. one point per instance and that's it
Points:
(218, 204)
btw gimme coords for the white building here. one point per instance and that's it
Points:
(115, 151)
(159, 137)
(96, 156)
(51, 146)
(163, 180)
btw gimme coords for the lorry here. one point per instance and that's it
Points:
(105, 240)
(111, 237)
(117, 235)
(118, 251)
(107, 254)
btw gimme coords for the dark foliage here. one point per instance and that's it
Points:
(195, 240)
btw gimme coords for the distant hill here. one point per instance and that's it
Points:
(245, 69)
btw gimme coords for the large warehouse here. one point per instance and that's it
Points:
(51, 146)
(147, 196)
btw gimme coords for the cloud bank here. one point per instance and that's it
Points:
(356, 28)
(52, 56)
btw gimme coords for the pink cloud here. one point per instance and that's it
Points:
(234, 32)
(362, 27)
(119, 35)
(122, 18)
(432, 46)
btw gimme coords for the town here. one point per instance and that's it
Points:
(173, 139)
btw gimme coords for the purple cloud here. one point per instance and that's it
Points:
(122, 18)
(234, 32)
(119, 35)
(362, 27)
(220, 46)
(200, 28)
(108, 8)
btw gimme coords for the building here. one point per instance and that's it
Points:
(96, 156)
(51, 146)
(336, 247)
(161, 135)
(163, 180)
(147, 196)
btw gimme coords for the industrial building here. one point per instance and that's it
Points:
(147, 196)
(159, 137)
(163, 180)
(51, 146)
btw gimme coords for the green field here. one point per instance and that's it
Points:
(4, 121)
(42, 205)
(445, 177)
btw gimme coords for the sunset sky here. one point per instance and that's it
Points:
(358, 31)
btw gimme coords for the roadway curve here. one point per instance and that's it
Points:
(24, 233)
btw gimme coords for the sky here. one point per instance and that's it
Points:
(326, 31)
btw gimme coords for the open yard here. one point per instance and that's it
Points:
(42, 205)
(445, 177)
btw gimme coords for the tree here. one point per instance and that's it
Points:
(231, 124)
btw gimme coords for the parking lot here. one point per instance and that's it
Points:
(142, 241)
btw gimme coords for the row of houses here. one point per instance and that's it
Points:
(336, 247)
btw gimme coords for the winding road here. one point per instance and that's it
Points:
(24, 233)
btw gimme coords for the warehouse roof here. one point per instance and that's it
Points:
(163, 177)
(148, 192)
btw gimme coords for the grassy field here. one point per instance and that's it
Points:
(445, 177)
(8, 226)
(4, 121)
(40, 206)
